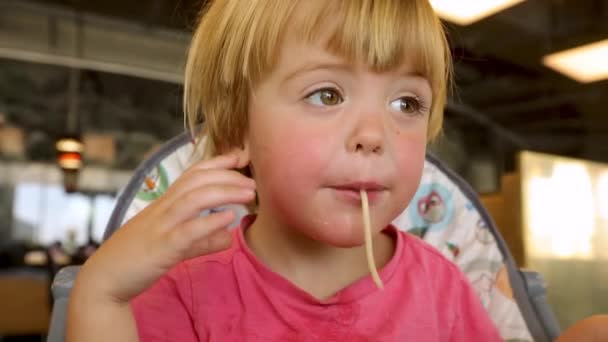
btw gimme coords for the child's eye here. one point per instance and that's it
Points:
(408, 105)
(325, 97)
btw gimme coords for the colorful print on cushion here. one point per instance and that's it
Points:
(155, 185)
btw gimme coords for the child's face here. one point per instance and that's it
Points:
(321, 129)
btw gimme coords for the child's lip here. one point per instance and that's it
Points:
(351, 192)
(354, 196)
(358, 186)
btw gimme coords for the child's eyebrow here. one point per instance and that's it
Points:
(408, 71)
(344, 67)
(414, 76)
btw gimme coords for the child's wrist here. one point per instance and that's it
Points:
(98, 284)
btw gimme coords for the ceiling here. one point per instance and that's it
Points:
(505, 100)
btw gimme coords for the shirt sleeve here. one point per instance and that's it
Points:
(164, 311)
(472, 322)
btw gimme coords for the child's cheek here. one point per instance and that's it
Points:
(295, 165)
(303, 154)
(410, 160)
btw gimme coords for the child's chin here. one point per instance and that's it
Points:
(341, 239)
(347, 244)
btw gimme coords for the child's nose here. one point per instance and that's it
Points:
(367, 136)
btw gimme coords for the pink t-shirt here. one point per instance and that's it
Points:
(231, 296)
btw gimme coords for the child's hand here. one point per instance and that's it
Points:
(169, 230)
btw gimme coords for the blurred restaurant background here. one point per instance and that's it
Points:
(88, 89)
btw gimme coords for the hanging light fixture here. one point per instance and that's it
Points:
(69, 147)
(69, 153)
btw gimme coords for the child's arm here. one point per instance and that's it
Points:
(95, 319)
(148, 246)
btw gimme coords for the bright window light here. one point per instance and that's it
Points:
(44, 213)
(602, 195)
(587, 63)
(559, 209)
(567, 192)
(466, 12)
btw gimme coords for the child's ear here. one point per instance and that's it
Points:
(243, 153)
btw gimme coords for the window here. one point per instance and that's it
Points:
(45, 213)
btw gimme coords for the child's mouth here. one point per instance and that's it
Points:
(352, 192)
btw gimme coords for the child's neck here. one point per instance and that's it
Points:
(319, 269)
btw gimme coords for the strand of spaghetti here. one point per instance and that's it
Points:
(369, 251)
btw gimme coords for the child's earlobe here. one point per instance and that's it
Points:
(243, 155)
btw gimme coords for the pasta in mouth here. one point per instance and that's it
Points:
(369, 251)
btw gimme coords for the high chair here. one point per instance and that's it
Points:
(445, 212)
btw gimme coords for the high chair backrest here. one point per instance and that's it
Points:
(445, 212)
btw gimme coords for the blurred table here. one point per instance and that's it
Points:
(24, 301)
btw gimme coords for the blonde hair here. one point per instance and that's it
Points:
(237, 42)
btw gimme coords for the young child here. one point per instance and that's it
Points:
(315, 100)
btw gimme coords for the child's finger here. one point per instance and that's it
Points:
(201, 235)
(217, 241)
(200, 178)
(225, 161)
(191, 203)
